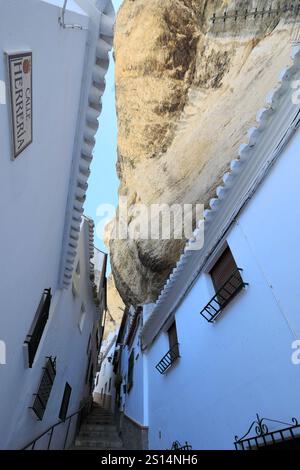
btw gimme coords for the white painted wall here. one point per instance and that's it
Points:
(241, 365)
(33, 196)
(134, 402)
(106, 373)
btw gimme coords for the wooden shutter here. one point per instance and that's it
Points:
(221, 273)
(223, 269)
(173, 339)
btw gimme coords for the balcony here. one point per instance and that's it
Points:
(34, 336)
(270, 434)
(168, 359)
(224, 296)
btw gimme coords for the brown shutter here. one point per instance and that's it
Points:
(223, 269)
(173, 339)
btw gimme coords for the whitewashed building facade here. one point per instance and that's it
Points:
(218, 350)
(54, 59)
(104, 390)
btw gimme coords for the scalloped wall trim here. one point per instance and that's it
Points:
(100, 39)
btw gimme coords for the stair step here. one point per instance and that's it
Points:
(103, 434)
(100, 421)
(95, 448)
(87, 442)
(98, 432)
(85, 427)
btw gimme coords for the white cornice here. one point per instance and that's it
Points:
(99, 43)
(275, 125)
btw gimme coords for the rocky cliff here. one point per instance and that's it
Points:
(115, 307)
(187, 91)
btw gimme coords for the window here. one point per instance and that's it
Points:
(130, 370)
(227, 281)
(81, 318)
(45, 387)
(109, 385)
(35, 334)
(91, 378)
(101, 392)
(221, 272)
(97, 339)
(65, 402)
(105, 388)
(78, 269)
(173, 354)
(88, 367)
(173, 340)
(88, 345)
(76, 281)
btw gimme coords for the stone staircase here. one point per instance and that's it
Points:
(98, 432)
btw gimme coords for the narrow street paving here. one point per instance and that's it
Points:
(98, 431)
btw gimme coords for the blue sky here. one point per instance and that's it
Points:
(103, 181)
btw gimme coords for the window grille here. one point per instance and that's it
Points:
(35, 334)
(42, 396)
(65, 402)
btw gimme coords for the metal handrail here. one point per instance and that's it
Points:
(62, 23)
(51, 429)
(239, 13)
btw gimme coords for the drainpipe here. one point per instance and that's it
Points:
(62, 23)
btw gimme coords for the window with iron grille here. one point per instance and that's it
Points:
(34, 336)
(91, 378)
(221, 272)
(227, 281)
(65, 402)
(45, 387)
(82, 317)
(88, 368)
(173, 354)
(88, 345)
(130, 370)
(173, 339)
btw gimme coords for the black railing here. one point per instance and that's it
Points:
(178, 447)
(225, 294)
(36, 331)
(45, 387)
(168, 359)
(244, 13)
(81, 413)
(287, 437)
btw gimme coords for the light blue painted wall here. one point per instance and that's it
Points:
(134, 400)
(241, 365)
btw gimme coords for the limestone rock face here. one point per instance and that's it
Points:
(187, 93)
(115, 307)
